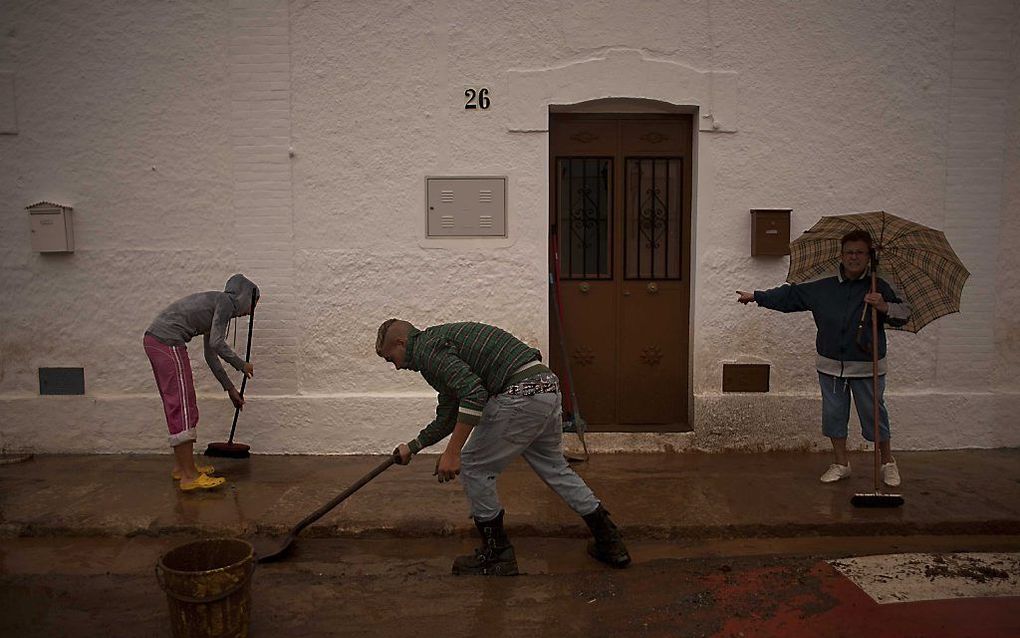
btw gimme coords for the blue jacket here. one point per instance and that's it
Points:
(837, 304)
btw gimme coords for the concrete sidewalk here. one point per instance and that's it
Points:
(654, 496)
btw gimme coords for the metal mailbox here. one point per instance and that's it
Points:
(52, 227)
(770, 231)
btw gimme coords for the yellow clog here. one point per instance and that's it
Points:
(203, 482)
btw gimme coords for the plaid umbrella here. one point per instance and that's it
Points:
(915, 260)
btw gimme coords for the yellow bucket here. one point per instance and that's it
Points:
(208, 587)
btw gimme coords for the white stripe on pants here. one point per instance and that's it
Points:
(513, 426)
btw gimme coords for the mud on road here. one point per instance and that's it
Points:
(335, 587)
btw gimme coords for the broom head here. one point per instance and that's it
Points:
(228, 450)
(876, 499)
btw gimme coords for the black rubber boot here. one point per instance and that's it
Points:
(608, 545)
(496, 555)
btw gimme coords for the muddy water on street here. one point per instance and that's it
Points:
(333, 587)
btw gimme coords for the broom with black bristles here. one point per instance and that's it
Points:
(229, 449)
(876, 498)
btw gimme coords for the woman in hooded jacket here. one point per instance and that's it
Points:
(165, 341)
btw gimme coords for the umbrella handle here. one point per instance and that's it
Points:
(868, 347)
(865, 347)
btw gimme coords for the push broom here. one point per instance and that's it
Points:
(230, 449)
(876, 498)
(577, 424)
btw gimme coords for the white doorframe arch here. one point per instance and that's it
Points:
(621, 73)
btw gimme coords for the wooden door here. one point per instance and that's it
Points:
(620, 219)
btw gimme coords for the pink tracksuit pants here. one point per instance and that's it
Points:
(172, 369)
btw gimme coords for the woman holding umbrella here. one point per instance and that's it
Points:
(839, 304)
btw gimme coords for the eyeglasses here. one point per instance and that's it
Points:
(851, 253)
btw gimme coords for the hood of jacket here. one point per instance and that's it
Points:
(240, 289)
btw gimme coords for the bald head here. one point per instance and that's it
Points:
(391, 341)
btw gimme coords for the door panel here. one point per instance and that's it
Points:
(620, 214)
(652, 349)
(591, 346)
(651, 383)
(585, 229)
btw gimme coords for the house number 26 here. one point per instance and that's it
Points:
(477, 99)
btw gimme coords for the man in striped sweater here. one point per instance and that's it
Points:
(497, 401)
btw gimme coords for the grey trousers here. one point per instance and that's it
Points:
(513, 426)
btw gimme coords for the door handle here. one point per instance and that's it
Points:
(585, 286)
(653, 288)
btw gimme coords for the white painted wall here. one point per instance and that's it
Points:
(290, 141)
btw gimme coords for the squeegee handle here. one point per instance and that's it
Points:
(247, 358)
(340, 498)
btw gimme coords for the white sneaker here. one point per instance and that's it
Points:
(836, 472)
(891, 474)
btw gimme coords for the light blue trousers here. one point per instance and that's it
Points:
(836, 393)
(513, 426)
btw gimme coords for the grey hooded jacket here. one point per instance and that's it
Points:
(207, 313)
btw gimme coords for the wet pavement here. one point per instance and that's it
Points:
(652, 496)
(724, 545)
(371, 587)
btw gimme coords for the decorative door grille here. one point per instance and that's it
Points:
(585, 217)
(653, 232)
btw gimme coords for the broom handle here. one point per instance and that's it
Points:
(554, 279)
(247, 356)
(874, 369)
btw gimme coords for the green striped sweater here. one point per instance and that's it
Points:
(465, 363)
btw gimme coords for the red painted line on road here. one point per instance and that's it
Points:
(789, 602)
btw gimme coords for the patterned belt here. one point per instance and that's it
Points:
(540, 384)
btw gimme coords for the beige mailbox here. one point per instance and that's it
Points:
(52, 227)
